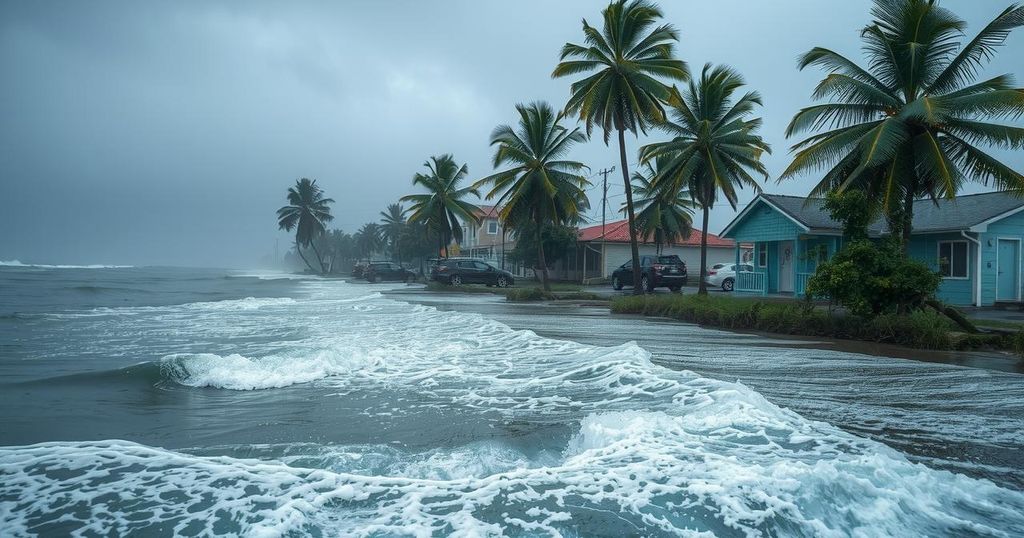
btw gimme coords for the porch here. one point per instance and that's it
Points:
(784, 266)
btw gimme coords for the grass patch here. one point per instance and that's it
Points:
(922, 330)
(521, 295)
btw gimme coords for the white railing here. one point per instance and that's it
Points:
(801, 283)
(750, 281)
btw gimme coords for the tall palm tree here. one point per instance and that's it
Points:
(541, 187)
(307, 213)
(714, 148)
(369, 239)
(627, 59)
(909, 125)
(663, 212)
(442, 207)
(393, 225)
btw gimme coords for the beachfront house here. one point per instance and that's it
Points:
(973, 241)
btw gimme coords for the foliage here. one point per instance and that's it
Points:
(714, 148)
(625, 63)
(870, 278)
(924, 330)
(910, 125)
(369, 240)
(528, 294)
(393, 225)
(559, 241)
(443, 205)
(541, 187)
(664, 215)
(307, 213)
(851, 208)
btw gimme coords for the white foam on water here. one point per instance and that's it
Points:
(16, 263)
(656, 451)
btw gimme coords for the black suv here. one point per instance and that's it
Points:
(380, 271)
(458, 271)
(655, 272)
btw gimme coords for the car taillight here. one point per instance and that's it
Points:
(712, 272)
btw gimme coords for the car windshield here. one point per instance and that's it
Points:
(718, 266)
(669, 259)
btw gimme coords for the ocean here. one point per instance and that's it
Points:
(196, 402)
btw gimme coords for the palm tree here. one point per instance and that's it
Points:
(908, 126)
(664, 214)
(714, 148)
(624, 93)
(443, 206)
(541, 187)
(393, 225)
(369, 239)
(307, 213)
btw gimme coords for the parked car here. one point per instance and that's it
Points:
(458, 271)
(655, 272)
(723, 275)
(381, 271)
(358, 270)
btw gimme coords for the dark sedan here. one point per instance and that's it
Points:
(381, 271)
(655, 272)
(458, 271)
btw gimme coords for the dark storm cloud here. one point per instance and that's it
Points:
(167, 132)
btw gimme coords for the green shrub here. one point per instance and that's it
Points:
(528, 294)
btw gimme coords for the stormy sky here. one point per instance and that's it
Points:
(167, 132)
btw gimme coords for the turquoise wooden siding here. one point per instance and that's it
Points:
(1011, 227)
(764, 224)
(925, 248)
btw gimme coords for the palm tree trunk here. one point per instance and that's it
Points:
(633, 246)
(303, 256)
(908, 220)
(318, 257)
(702, 287)
(542, 266)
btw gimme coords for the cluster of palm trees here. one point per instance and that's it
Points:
(906, 127)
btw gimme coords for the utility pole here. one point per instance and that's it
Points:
(604, 207)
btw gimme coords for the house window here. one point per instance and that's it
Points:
(953, 259)
(492, 227)
(762, 255)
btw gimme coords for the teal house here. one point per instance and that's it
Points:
(973, 241)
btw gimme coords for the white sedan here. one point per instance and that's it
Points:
(723, 275)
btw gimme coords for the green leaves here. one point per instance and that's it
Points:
(443, 204)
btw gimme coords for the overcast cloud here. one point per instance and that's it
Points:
(167, 132)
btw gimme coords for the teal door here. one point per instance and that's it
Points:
(1008, 276)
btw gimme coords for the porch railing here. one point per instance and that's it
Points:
(801, 283)
(751, 281)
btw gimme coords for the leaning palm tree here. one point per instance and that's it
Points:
(663, 213)
(909, 125)
(714, 149)
(627, 59)
(541, 187)
(393, 225)
(369, 239)
(307, 213)
(442, 207)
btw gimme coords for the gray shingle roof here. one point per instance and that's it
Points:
(961, 213)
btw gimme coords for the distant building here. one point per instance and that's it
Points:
(601, 253)
(973, 241)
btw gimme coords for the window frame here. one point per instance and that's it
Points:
(492, 223)
(762, 250)
(967, 259)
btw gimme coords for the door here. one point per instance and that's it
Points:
(1008, 276)
(785, 257)
(470, 275)
(485, 273)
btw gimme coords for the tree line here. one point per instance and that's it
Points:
(911, 124)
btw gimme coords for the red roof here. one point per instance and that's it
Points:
(486, 211)
(618, 232)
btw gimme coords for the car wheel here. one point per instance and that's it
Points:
(502, 282)
(728, 284)
(645, 283)
(455, 280)
(616, 283)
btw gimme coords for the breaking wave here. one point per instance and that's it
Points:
(16, 263)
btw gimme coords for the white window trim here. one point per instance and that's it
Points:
(761, 248)
(1020, 264)
(492, 223)
(938, 258)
